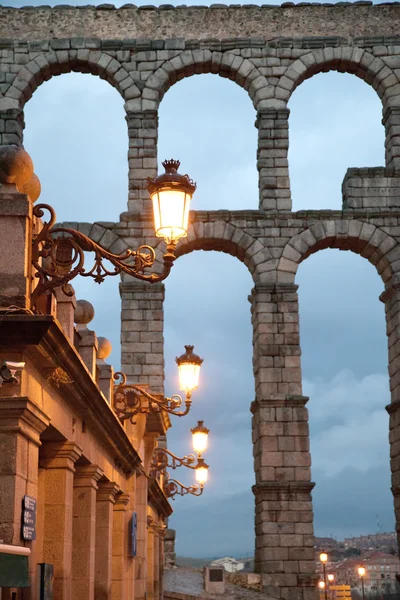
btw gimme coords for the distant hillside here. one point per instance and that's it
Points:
(196, 563)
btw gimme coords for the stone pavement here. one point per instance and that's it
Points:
(189, 583)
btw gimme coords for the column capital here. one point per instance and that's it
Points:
(106, 491)
(272, 113)
(87, 476)
(391, 288)
(134, 287)
(286, 487)
(389, 112)
(272, 288)
(279, 401)
(21, 415)
(121, 502)
(60, 455)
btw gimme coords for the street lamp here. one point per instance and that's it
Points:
(331, 577)
(164, 458)
(173, 487)
(58, 252)
(361, 572)
(321, 585)
(130, 400)
(323, 557)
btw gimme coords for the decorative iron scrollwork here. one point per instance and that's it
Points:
(58, 257)
(130, 400)
(164, 459)
(173, 487)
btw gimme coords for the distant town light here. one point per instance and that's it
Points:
(331, 577)
(321, 585)
(361, 571)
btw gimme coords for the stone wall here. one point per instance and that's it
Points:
(268, 51)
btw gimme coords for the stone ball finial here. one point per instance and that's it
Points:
(31, 188)
(16, 165)
(84, 312)
(104, 349)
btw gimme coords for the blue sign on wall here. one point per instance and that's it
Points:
(133, 534)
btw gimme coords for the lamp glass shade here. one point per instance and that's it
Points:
(361, 571)
(200, 441)
(171, 213)
(188, 377)
(201, 475)
(323, 557)
(331, 577)
(321, 585)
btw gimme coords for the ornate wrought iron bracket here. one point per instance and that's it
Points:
(173, 487)
(130, 400)
(164, 459)
(58, 257)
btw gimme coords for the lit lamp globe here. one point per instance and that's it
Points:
(171, 194)
(189, 371)
(323, 557)
(321, 585)
(201, 472)
(200, 438)
(361, 571)
(331, 577)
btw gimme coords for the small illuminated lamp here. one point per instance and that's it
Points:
(171, 194)
(323, 557)
(321, 585)
(361, 571)
(201, 472)
(189, 371)
(200, 438)
(331, 577)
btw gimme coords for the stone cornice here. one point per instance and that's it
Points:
(48, 347)
(278, 402)
(21, 415)
(158, 499)
(360, 22)
(286, 487)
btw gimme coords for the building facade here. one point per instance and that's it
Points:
(77, 489)
(269, 51)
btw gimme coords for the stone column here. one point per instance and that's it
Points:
(65, 313)
(84, 531)
(150, 558)
(391, 122)
(21, 423)
(272, 159)
(157, 555)
(169, 548)
(59, 461)
(284, 516)
(141, 556)
(391, 300)
(11, 126)
(142, 155)
(119, 548)
(105, 500)
(142, 338)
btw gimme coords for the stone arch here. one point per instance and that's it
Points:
(363, 238)
(225, 237)
(195, 62)
(99, 233)
(344, 59)
(47, 65)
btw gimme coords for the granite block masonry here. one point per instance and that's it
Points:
(269, 51)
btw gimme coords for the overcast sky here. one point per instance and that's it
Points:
(76, 135)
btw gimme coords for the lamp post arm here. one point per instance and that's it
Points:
(161, 460)
(128, 401)
(173, 487)
(58, 257)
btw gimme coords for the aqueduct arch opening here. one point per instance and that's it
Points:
(275, 41)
